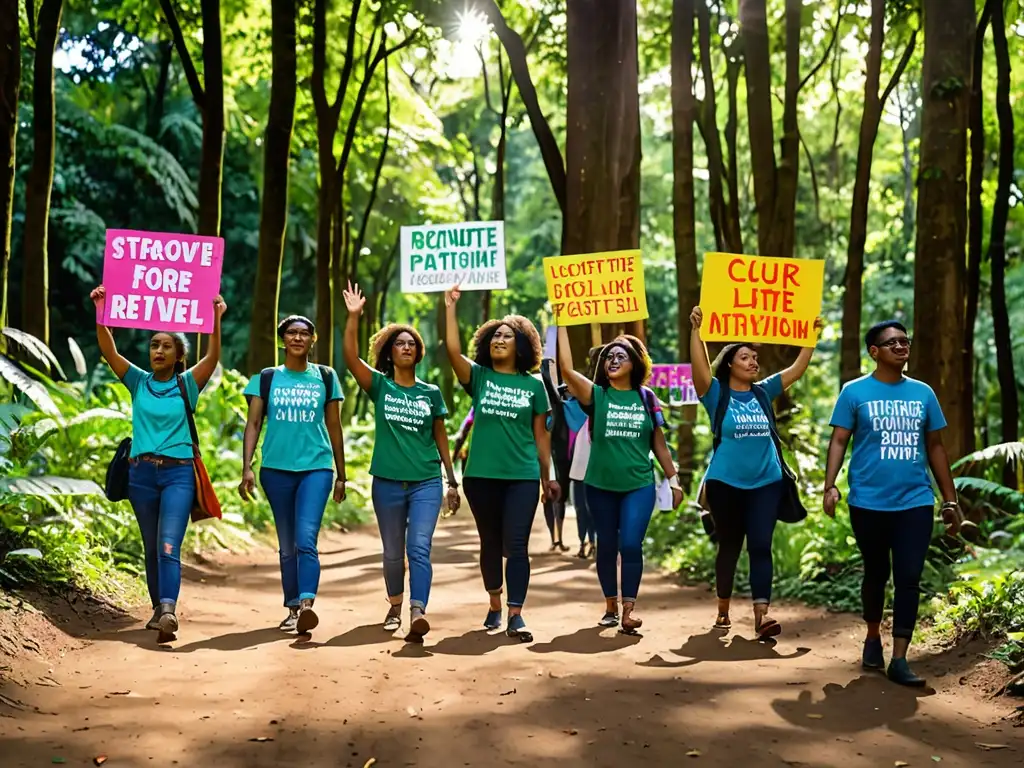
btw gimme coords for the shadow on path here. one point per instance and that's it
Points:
(714, 646)
(588, 640)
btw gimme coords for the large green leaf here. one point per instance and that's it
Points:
(33, 390)
(35, 347)
(1007, 500)
(48, 485)
(995, 455)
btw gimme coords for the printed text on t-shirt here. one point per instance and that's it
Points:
(624, 420)
(297, 403)
(410, 415)
(503, 401)
(898, 424)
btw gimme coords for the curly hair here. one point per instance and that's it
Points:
(638, 356)
(382, 346)
(528, 347)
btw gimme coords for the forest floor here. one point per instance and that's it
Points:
(235, 691)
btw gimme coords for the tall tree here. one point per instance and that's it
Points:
(1010, 409)
(603, 132)
(684, 112)
(849, 365)
(274, 208)
(942, 209)
(209, 100)
(35, 282)
(10, 86)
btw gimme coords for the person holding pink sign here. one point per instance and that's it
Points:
(302, 446)
(162, 484)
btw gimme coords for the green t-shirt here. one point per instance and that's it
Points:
(504, 405)
(159, 422)
(296, 439)
(404, 448)
(620, 454)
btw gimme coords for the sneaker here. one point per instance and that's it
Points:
(393, 620)
(517, 629)
(873, 657)
(901, 674)
(307, 620)
(418, 625)
(610, 619)
(493, 620)
(154, 623)
(168, 622)
(291, 621)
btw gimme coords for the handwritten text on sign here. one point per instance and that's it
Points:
(160, 281)
(596, 287)
(437, 256)
(760, 299)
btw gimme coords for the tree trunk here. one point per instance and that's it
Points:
(784, 217)
(35, 310)
(709, 119)
(211, 168)
(734, 230)
(1010, 411)
(602, 136)
(274, 209)
(761, 126)
(156, 112)
(942, 210)
(975, 210)
(684, 111)
(10, 86)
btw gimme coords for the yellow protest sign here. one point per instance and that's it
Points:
(760, 299)
(596, 287)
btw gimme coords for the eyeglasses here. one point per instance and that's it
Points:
(899, 341)
(617, 358)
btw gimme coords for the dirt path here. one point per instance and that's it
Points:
(577, 696)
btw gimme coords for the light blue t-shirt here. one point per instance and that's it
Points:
(890, 424)
(159, 422)
(296, 438)
(746, 457)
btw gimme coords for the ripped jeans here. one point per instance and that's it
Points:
(162, 497)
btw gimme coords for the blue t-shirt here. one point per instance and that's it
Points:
(296, 439)
(746, 457)
(159, 422)
(890, 424)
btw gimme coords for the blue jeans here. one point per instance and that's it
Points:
(584, 520)
(162, 497)
(621, 520)
(406, 516)
(298, 500)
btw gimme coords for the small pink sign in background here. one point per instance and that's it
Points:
(158, 281)
(677, 378)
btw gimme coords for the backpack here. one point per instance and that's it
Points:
(649, 400)
(267, 379)
(115, 486)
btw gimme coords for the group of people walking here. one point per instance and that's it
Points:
(533, 437)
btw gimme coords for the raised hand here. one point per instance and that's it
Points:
(819, 325)
(98, 296)
(219, 306)
(696, 318)
(354, 299)
(452, 296)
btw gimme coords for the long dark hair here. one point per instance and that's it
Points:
(382, 347)
(723, 363)
(638, 356)
(528, 347)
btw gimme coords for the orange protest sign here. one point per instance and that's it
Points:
(596, 287)
(761, 299)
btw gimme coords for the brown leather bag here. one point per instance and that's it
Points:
(206, 504)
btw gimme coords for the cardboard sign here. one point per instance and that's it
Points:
(437, 256)
(677, 378)
(761, 299)
(158, 281)
(596, 287)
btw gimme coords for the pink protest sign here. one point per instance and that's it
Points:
(678, 379)
(159, 281)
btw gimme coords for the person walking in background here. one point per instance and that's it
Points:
(300, 403)
(554, 509)
(896, 424)
(579, 451)
(510, 455)
(410, 446)
(744, 481)
(462, 440)
(625, 426)
(162, 483)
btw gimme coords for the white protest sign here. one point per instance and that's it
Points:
(437, 256)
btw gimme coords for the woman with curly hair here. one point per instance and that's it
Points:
(410, 444)
(510, 453)
(625, 426)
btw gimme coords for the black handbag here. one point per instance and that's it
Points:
(116, 485)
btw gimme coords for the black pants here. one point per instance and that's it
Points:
(555, 510)
(898, 541)
(504, 512)
(744, 513)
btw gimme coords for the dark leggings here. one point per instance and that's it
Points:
(749, 513)
(898, 541)
(504, 512)
(555, 510)
(584, 520)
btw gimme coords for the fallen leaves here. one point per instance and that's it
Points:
(570, 732)
(990, 747)
(99, 760)
(693, 753)
(261, 739)
(815, 716)
(370, 762)
(508, 693)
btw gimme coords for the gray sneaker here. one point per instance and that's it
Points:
(307, 619)
(291, 620)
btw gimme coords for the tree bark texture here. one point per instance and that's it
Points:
(1010, 409)
(274, 208)
(940, 260)
(603, 136)
(211, 165)
(10, 86)
(35, 310)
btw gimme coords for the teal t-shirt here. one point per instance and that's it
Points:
(746, 457)
(159, 421)
(296, 438)
(404, 448)
(890, 425)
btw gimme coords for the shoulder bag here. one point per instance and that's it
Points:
(206, 505)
